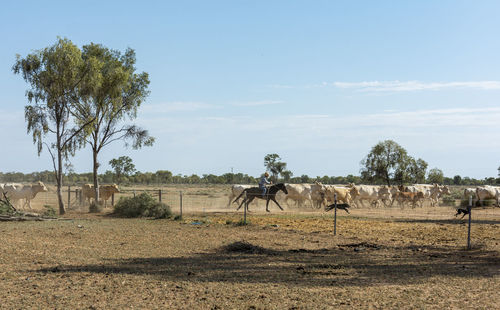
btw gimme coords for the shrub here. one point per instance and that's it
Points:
(448, 201)
(142, 205)
(5, 209)
(49, 211)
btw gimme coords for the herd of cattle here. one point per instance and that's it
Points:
(319, 195)
(20, 195)
(315, 195)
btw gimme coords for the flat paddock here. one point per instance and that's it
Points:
(412, 258)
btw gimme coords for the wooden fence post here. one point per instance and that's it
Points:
(159, 195)
(69, 196)
(113, 199)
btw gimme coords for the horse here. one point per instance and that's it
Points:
(255, 192)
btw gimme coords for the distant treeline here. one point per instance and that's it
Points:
(166, 177)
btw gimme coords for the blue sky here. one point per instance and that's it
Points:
(317, 82)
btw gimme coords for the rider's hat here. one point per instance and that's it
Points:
(266, 174)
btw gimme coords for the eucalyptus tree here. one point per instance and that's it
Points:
(112, 104)
(122, 166)
(389, 162)
(273, 163)
(56, 75)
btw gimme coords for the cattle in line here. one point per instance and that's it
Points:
(488, 192)
(431, 192)
(299, 193)
(105, 192)
(16, 192)
(318, 192)
(344, 194)
(403, 197)
(470, 192)
(373, 194)
(236, 190)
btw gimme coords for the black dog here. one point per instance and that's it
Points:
(341, 206)
(464, 211)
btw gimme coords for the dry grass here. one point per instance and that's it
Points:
(279, 261)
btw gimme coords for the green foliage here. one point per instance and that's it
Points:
(242, 223)
(448, 200)
(142, 205)
(275, 166)
(122, 166)
(6, 209)
(49, 211)
(435, 176)
(388, 163)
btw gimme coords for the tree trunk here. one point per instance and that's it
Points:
(96, 180)
(59, 180)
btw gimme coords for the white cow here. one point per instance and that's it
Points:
(372, 194)
(488, 192)
(318, 192)
(299, 193)
(15, 192)
(470, 192)
(344, 193)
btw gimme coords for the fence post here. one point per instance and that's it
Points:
(80, 196)
(245, 209)
(134, 193)
(159, 195)
(181, 203)
(469, 209)
(113, 199)
(69, 196)
(335, 216)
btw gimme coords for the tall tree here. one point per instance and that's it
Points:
(122, 166)
(113, 103)
(56, 75)
(435, 176)
(388, 163)
(274, 165)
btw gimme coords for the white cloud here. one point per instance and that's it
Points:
(177, 106)
(399, 86)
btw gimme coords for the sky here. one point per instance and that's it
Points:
(317, 82)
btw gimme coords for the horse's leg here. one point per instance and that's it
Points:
(242, 202)
(249, 201)
(274, 199)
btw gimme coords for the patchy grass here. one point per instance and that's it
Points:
(279, 262)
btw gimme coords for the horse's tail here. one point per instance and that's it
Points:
(244, 191)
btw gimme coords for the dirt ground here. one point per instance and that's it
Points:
(380, 259)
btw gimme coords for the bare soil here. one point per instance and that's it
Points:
(379, 259)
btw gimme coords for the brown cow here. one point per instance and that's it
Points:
(412, 197)
(105, 192)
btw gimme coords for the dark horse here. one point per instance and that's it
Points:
(255, 192)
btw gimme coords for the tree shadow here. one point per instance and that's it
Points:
(355, 264)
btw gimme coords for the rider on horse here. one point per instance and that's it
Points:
(262, 184)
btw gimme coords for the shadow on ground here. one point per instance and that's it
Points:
(354, 264)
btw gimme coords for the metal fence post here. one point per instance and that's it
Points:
(69, 196)
(335, 216)
(245, 209)
(469, 209)
(181, 203)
